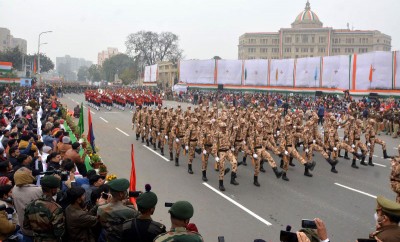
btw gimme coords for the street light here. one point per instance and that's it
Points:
(45, 32)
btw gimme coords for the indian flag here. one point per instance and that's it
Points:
(5, 66)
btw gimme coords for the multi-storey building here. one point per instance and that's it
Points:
(105, 54)
(7, 41)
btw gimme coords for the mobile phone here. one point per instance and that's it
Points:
(105, 195)
(308, 224)
(288, 236)
(366, 240)
(168, 205)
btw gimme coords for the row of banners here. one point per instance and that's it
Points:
(374, 70)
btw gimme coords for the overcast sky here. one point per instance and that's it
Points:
(82, 28)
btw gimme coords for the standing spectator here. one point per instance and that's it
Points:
(79, 161)
(63, 146)
(321, 114)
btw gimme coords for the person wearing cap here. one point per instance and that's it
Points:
(113, 214)
(63, 146)
(178, 133)
(395, 175)
(44, 216)
(143, 228)
(181, 212)
(191, 140)
(387, 219)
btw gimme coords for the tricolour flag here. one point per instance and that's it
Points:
(371, 71)
(132, 184)
(90, 135)
(81, 124)
(5, 66)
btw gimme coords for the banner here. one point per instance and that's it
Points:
(336, 72)
(255, 72)
(308, 72)
(151, 73)
(147, 74)
(281, 73)
(396, 69)
(374, 71)
(197, 71)
(229, 72)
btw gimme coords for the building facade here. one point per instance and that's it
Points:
(7, 41)
(68, 66)
(105, 54)
(307, 37)
(167, 73)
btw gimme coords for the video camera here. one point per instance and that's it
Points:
(8, 210)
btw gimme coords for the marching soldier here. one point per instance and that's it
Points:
(155, 127)
(371, 140)
(162, 125)
(240, 133)
(143, 123)
(357, 144)
(206, 143)
(191, 139)
(178, 134)
(395, 175)
(168, 134)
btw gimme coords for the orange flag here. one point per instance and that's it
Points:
(132, 185)
(371, 71)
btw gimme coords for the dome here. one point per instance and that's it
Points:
(307, 19)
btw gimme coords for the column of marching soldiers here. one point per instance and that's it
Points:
(256, 132)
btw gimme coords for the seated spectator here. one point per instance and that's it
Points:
(79, 161)
(63, 146)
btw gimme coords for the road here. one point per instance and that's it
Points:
(345, 201)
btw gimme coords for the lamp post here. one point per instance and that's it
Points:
(45, 32)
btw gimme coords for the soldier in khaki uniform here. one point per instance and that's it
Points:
(168, 135)
(162, 124)
(191, 139)
(395, 175)
(143, 123)
(206, 143)
(221, 151)
(149, 121)
(178, 134)
(155, 127)
(371, 139)
(357, 144)
(240, 135)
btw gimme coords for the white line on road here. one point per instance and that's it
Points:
(355, 190)
(377, 164)
(238, 204)
(122, 131)
(376, 156)
(156, 153)
(395, 148)
(103, 119)
(72, 99)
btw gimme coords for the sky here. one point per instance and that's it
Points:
(206, 28)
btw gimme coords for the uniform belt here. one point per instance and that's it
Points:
(161, 129)
(238, 140)
(288, 145)
(208, 145)
(180, 137)
(372, 137)
(269, 133)
(356, 139)
(223, 150)
(258, 147)
(310, 143)
(193, 140)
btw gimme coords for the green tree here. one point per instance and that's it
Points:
(94, 73)
(45, 62)
(14, 56)
(83, 73)
(118, 64)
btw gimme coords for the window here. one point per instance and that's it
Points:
(264, 50)
(362, 50)
(275, 50)
(288, 39)
(252, 41)
(264, 41)
(336, 50)
(336, 41)
(304, 38)
(288, 50)
(251, 50)
(349, 50)
(297, 39)
(304, 50)
(322, 40)
(321, 49)
(311, 50)
(297, 49)
(312, 39)
(275, 41)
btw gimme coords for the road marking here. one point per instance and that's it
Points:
(103, 119)
(377, 164)
(72, 99)
(355, 190)
(395, 148)
(238, 204)
(155, 152)
(375, 156)
(122, 131)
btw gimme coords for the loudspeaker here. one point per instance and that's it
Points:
(318, 93)
(220, 87)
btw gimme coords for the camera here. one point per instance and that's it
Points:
(308, 224)
(63, 174)
(287, 236)
(134, 194)
(168, 205)
(105, 196)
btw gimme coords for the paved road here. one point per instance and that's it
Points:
(345, 201)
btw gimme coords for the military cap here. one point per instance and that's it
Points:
(194, 120)
(119, 185)
(388, 206)
(242, 121)
(147, 200)
(259, 125)
(50, 182)
(182, 210)
(207, 122)
(222, 125)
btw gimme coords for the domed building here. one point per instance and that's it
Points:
(308, 38)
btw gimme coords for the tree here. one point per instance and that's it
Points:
(14, 56)
(94, 73)
(46, 64)
(118, 64)
(150, 47)
(83, 73)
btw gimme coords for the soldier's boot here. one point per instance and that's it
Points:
(353, 164)
(284, 177)
(204, 177)
(262, 166)
(147, 142)
(291, 162)
(142, 139)
(310, 165)
(137, 137)
(307, 172)
(233, 179)
(255, 182)
(346, 155)
(171, 156)
(278, 174)
(227, 170)
(176, 161)
(190, 171)
(281, 166)
(154, 146)
(162, 150)
(363, 161)
(359, 156)
(216, 166)
(151, 140)
(370, 162)
(244, 161)
(339, 155)
(385, 156)
(333, 164)
(159, 144)
(221, 185)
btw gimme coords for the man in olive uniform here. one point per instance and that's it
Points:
(44, 216)
(143, 123)
(387, 218)
(396, 123)
(170, 121)
(155, 127)
(136, 119)
(206, 143)
(112, 215)
(191, 139)
(178, 132)
(181, 212)
(395, 175)
(240, 134)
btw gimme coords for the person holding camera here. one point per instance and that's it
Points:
(143, 228)
(181, 213)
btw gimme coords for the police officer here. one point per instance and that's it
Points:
(395, 176)
(387, 218)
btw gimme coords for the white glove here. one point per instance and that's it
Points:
(277, 132)
(294, 127)
(274, 135)
(166, 137)
(216, 159)
(144, 128)
(177, 140)
(150, 130)
(233, 149)
(353, 146)
(158, 133)
(205, 152)
(186, 147)
(255, 156)
(244, 142)
(286, 153)
(339, 127)
(347, 139)
(314, 141)
(369, 144)
(212, 120)
(307, 150)
(334, 148)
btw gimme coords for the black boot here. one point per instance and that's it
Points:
(244, 161)
(385, 156)
(159, 144)
(284, 177)
(278, 174)
(147, 142)
(142, 139)
(291, 162)
(233, 179)
(190, 171)
(359, 156)
(171, 156)
(204, 177)
(333, 165)
(339, 155)
(221, 185)
(363, 161)
(256, 181)
(307, 172)
(137, 137)
(151, 140)
(176, 161)
(162, 150)
(154, 146)
(281, 166)
(227, 170)
(370, 162)
(262, 166)
(346, 155)
(353, 164)
(310, 165)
